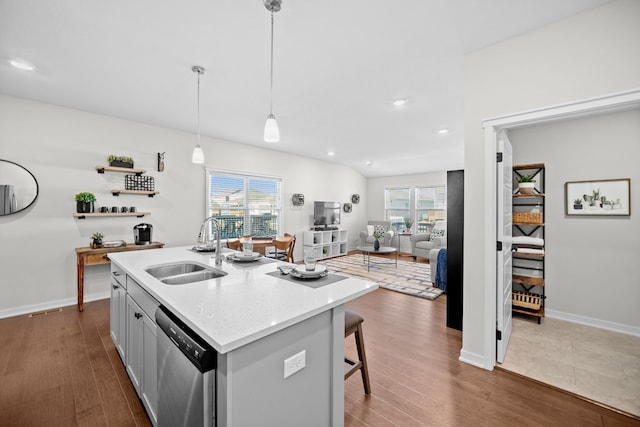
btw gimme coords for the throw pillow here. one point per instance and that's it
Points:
(369, 230)
(435, 233)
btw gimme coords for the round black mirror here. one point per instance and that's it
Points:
(18, 188)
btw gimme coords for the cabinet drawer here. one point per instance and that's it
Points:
(142, 298)
(97, 259)
(118, 275)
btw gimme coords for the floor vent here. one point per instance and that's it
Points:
(44, 313)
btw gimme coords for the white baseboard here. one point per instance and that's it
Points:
(473, 359)
(27, 309)
(596, 323)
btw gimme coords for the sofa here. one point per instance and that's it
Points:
(423, 243)
(366, 236)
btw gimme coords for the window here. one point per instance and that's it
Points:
(398, 207)
(424, 204)
(244, 204)
(431, 205)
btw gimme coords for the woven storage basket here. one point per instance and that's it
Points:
(526, 300)
(528, 217)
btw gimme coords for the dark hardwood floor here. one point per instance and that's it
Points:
(62, 369)
(417, 380)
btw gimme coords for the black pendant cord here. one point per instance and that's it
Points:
(198, 106)
(271, 82)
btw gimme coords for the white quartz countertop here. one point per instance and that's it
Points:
(241, 307)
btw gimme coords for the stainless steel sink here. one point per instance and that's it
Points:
(180, 273)
(196, 276)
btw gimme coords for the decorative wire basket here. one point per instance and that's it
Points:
(139, 182)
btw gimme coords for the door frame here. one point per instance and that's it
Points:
(590, 107)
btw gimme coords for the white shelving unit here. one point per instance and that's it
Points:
(326, 244)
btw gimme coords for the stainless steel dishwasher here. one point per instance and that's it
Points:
(186, 375)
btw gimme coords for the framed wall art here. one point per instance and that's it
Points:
(611, 197)
(297, 199)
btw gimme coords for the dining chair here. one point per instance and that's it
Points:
(234, 244)
(282, 245)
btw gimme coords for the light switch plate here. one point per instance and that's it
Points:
(295, 363)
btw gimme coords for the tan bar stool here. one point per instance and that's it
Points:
(353, 324)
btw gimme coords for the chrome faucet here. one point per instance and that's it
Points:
(206, 237)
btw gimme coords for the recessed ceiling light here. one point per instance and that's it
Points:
(368, 163)
(22, 65)
(331, 153)
(443, 131)
(400, 102)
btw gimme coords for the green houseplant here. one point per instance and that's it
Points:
(526, 184)
(408, 222)
(84, 202)
(120, 161)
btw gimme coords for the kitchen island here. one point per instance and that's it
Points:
(255, 319)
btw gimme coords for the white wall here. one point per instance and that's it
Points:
(590, 261)
(61, 147)
(588, 55)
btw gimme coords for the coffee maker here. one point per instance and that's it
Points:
(142, 234)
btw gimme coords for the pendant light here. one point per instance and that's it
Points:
(198, 155)
(271, 131)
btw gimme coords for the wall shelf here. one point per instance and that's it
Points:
(109, 214)
(529, 195)
(138, 192)
(102, 169)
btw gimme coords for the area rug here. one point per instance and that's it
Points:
(409, 278)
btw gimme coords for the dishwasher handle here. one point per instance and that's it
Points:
(197, 350)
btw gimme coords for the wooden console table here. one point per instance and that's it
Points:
(90, 256)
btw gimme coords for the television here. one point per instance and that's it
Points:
(326, 213)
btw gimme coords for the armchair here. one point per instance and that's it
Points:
(423, 243)
(366, 236)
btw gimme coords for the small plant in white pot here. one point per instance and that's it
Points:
(526, 184)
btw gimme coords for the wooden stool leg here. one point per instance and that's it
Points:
(363, 358)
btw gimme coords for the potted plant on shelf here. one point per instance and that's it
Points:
(84, 202)
(376, 243)
(408, 222)
(120, 161)
(526, 184)
(97, 240)
(577, 204)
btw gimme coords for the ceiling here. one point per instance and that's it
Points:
(338, 65)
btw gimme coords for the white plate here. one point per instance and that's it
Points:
(241, 257)
(301, 272)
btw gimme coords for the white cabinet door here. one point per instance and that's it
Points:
(118, 319)
(134, 346)
(149, 369)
